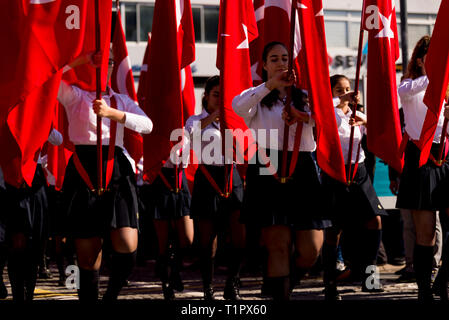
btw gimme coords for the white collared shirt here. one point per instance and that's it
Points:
(248, 106)
(344, 132)
(83, 121)
(411, 93)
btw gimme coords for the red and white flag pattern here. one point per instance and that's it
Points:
(383, 128)
(237, 29)
(172, 49)
(437, 70)
(314, 58)
(122, 81)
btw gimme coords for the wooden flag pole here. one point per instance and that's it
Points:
(98, 96)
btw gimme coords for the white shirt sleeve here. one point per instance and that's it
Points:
(136, 119)
(245, 104)
(408, 87)
(337, 117)
(68, 95)
(55, 137)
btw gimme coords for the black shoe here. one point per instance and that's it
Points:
(209, 294)
(3, 290)
(168, 292)
(331, 293)
(397, 261)
(176, 282)
(61, 281)
(401, 271)
(231, 290)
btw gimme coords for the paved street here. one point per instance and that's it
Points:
(144, 285)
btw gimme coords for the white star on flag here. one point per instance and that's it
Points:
(386, 32)
(245, 43)
(320, 13)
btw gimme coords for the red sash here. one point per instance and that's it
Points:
(110, 163)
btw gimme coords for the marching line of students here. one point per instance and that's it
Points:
(293, 237)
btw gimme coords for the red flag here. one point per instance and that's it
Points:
(384, 128)
(437, 70)
(36, 34)
(122, 81)
(58, 156)
(84, 76)
(172, 49)
(315, 60)
(237, 28)
(273, 23)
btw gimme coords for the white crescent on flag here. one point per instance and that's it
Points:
(122, 74)
(41, 1)
(245, 43)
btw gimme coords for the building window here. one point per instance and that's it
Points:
(211, 15)
(146, 13)
(196, 15)
(336, 33)
(130, 22)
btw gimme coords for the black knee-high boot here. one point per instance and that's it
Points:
(231, 290)
(30, 271)
(122, 265)
(163, 273)
(423, 264)
(369, 253)
(279, 287)
(175, 269)
(329, 253)
(3, 258)
(16, 264)
(207, 273)
(88, 291)
(441, 282)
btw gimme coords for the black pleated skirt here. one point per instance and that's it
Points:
(161, 203)
(425, 188)
(296, 203)
(90, 215)
(356, 203)
(26, 208)
(207, 203)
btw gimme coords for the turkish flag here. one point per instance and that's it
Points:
(315, 60)
(58, 156)
(35, 34)
(384, 127)
(172, 49)
(122, 81)
(84, 76)
(273, 23)
(237, 28)
(437, 70)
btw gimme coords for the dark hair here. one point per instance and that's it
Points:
(413, 69)
(336, 78)
(298, 96)
(210, 84)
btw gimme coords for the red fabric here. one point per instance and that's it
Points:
(383, 128)
(172, 49)
(122, 81)
(315, 61)
(37, 47)
(437, 69)
(84, 76)
(58, 156)
(237, 28)
(273, 23)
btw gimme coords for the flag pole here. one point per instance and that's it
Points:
(98, 96)
(354, 105)
(283, 177)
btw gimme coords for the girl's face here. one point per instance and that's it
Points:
(277, 60)
(342, 87)
(213, 99)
